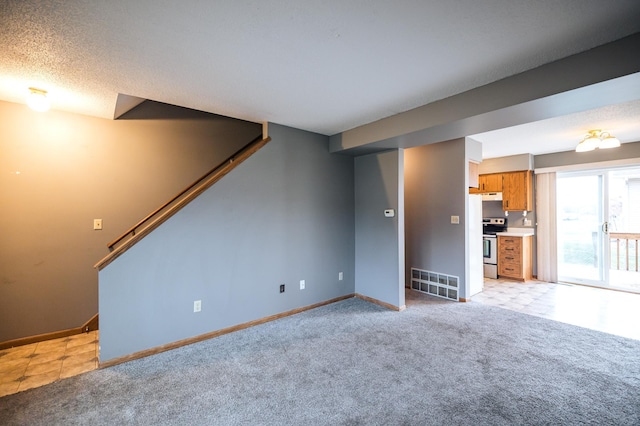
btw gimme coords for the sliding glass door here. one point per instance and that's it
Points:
(582, 251)
(598, 228)
(624, 228)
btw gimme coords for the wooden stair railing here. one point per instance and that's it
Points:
(184, 197)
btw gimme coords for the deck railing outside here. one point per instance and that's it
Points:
(624, 250)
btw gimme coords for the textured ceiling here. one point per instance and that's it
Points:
(562, 133)
(323, 66)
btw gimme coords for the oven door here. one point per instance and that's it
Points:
(489, 249)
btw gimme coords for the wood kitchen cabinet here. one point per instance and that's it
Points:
(517, 191)
(515, 257)
(488, 183)
(516, 188)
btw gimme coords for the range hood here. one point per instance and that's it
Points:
(492, 196)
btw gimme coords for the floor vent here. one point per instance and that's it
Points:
(435, 284)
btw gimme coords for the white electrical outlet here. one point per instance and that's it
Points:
(455, 220)
(197, 305)
(340, 276)
(302, 284)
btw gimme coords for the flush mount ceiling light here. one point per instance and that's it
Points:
(597, 139)
(37, 100)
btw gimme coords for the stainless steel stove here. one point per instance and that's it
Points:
(491, 226)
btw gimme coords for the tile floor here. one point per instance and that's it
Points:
(41, 363)
(609, 311)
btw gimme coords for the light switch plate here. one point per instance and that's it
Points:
(97, 224)
(389, 213)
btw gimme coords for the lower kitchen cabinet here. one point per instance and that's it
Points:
(515, 257)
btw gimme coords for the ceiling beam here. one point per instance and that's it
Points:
(605, 75)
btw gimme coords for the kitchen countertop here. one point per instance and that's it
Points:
(517, 232)
(514, 234)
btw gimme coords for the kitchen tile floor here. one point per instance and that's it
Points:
(41, 363)
(609, 311)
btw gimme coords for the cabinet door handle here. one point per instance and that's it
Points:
(510, 249)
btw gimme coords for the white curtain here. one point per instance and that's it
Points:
(546, 217)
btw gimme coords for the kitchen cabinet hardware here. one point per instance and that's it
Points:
(515, 257)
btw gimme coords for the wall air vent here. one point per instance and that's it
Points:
(435, 283)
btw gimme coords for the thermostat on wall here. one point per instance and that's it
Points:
(389, 213)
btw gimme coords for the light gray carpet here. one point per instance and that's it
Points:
(438, 362)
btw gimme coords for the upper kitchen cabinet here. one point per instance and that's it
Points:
(488, 183)
(517, 191)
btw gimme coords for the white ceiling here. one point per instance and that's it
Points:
(562, 133)
(324, 66)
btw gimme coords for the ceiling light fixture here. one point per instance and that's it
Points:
(597, 139)
(37, 100)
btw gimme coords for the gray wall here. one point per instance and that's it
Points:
(284, 215)
(436, 189)
(74, 169)
(379, 185)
